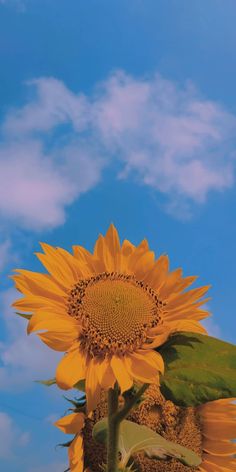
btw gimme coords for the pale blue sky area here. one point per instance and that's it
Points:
(111, 111)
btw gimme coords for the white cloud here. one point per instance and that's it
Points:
(11, 436)
(32, 191)
(56, 146)
(22, 359)
(171, 138)
(53, 105)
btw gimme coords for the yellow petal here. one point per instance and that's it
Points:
(219, 429)
(40, 284)
(56, 266)
(140, 369)
(211, 466)
(92, 386)
(185, 283)
(180, 300)
(157, 275)
(102, 253)
(32, 303)
(57, 340)
(113, 241)
(90, 264)
(105, 374)
(70, 369)
(187, 325)
(222, 448)
(170, 283)
(153, 358)
(141, 260)
(142, 264)
(124, 380)
(71, 424)
(52, 321)
(157, 340)
(76, 455)
(127, 248)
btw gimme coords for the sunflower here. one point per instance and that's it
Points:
(107, 310)
(208, 430)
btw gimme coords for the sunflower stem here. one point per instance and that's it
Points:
(113, 429)
(115, 417)
(121, 415)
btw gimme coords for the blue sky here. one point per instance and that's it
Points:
(111, 111)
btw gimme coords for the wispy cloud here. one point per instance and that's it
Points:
(22, 360)
(11, 436)
(56, 146)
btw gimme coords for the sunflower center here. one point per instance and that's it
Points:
(116, 311)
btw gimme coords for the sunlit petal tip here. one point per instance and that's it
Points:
(71, 424)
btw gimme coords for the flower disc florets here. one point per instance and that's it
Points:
(116, 311)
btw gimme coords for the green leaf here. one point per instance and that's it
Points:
(24, 315)
(48, 382)
(66, 444)
(77, 402)
(198, 369)
(80, 385)
(134, 438)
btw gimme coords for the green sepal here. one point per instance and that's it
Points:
(80, 385)
(134, 438)
(77, 402)
(129, 394)
(48, 382)
(198, 369)
(24, 315)
(67, 444)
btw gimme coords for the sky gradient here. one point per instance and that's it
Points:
(111, 111)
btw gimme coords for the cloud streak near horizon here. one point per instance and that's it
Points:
(56, 146)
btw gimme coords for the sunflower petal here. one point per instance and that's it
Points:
(124, 380)
(52, 321)
(112, 240)
(57, 340)
(39, 284)
(76, 454)
(140, 368)
(219, 448)
(92, 386)
(71, 424)
(105, 374)
(157, 275)
(102, 253)
(70, 369)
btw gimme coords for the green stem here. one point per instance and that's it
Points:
(113, 430)
(121, 415)
(114, 419)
